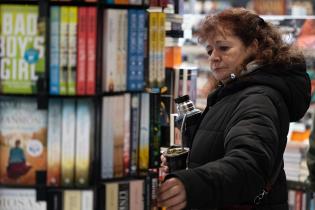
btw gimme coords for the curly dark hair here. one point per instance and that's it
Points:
(248, 26)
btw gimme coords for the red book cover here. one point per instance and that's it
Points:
(81, 56)
(91, 50)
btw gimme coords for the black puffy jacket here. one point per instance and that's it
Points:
(241, 138)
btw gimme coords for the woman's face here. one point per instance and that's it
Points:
(226, 53)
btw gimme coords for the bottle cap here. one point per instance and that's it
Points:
(182, 99)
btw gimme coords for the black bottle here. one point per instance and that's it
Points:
(187, 119)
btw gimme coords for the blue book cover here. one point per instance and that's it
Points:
(141, 31)
(132, 51)
(54, 50)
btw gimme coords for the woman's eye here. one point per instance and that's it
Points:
(209, 52)
(224, 48)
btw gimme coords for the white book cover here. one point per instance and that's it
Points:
(68, 142)
(107, 140)
(110, 50)
(54, 142)
(84, 118)
(20, 199)
(87, 200)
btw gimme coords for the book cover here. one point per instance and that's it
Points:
(72, 50)
(123, 195)
(54, 143)
(144, 132)
(68, 142)
(132, 50)
(23, 140)
(82, 52)
(87, 197)
(54, 199)
(22, 49)
(84, 141)
(15, 199)
(110, 47)
(155, 130)
(111, 196)
(72, 200)
(91, 51)
(118, 135)
(63, 49)
(126, 152)
(107, 143)
(54, 50)
(134, 133)
(136, 199)
(121, 54)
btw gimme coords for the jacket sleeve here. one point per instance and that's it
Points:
(251, 145)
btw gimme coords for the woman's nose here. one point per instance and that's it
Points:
(214, 57)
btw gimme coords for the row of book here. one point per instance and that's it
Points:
(301, 200)
(124, 47)
(124, 195)
(130, 136)
(72, 50)
(26, 199)
(58, 140)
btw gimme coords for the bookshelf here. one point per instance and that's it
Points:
(71, 115)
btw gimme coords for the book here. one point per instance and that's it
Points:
(63, 50)
(22, 49)
(123, 195)
(144, 133)
(54, 143)
(136, 199)
(111, 196)
(68, 142)
(23, 140)
(84, 141)
(81, 51)
(72, 200)
(72, 49)
(14, 199)
(91, 51)
(87, 197)
(54, 50)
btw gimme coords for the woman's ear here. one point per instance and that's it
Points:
(254, 46)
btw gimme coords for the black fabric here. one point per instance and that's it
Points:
(242, 136)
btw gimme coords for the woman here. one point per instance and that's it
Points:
(237, 152)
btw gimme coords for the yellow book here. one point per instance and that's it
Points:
(161, 49)
(111, 196)
(63, 47)
(72, 50)
(72, 200)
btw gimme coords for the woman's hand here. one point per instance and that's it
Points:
(172, 194)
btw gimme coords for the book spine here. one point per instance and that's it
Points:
(141, 36)
(54, 50)
(111, 196)
(83, 142)
(107, 139)
(153, 38)
(123, 195)
(136, 194)
(110, 49)
(68, 142)
(91, 51)
(132, 50)
(87, 197)
(144, 133)
(72, 200)
(63, 47)
(54, 200)
(82, 52)
(135, 129)
(155, 131)
(72, 50)
(126, 152)
(160, 49)
(54, 143)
